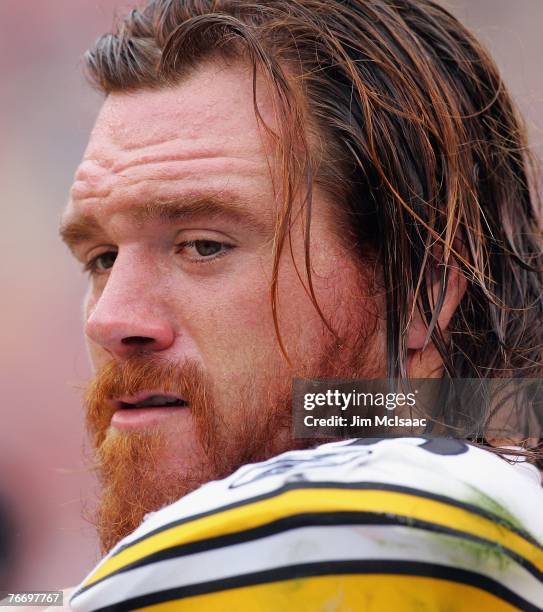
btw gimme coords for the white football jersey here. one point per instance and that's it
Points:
(365, 524)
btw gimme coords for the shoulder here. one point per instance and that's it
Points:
(333, 516)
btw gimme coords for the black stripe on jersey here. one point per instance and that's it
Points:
(329, 568)
(368, 486)
(313, 519)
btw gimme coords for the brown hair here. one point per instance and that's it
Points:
(424, 152)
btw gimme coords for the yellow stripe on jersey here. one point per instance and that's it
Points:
(326, 500)
(371, 593)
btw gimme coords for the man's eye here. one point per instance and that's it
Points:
(205, 249)
(101, 263)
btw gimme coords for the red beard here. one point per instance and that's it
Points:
(135, 467)
(130, 465)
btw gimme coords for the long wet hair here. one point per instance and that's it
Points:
(420, 145)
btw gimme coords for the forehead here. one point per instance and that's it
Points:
(214, 106)
(202, 132)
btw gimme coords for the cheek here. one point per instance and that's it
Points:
(238, 326)
(337, 287)
(97, 355)
(237, 336)
(89, 303)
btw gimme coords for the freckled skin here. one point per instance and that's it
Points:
(202, 134)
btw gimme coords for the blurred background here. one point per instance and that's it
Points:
(46, 112)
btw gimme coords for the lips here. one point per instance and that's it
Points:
(148, 409)
(148, 399)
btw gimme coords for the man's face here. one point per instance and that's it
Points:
(173, 210)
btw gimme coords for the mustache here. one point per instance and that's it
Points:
(137, 373)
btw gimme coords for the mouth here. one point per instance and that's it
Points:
(147, 409)
(150, 400)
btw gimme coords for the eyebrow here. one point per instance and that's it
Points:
(82, 228)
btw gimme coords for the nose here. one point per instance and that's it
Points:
(129, 315)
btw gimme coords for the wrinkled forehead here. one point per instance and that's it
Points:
(175, 138)
(185, 131)
(210, 109)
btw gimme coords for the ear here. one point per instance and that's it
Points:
(417, 339)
